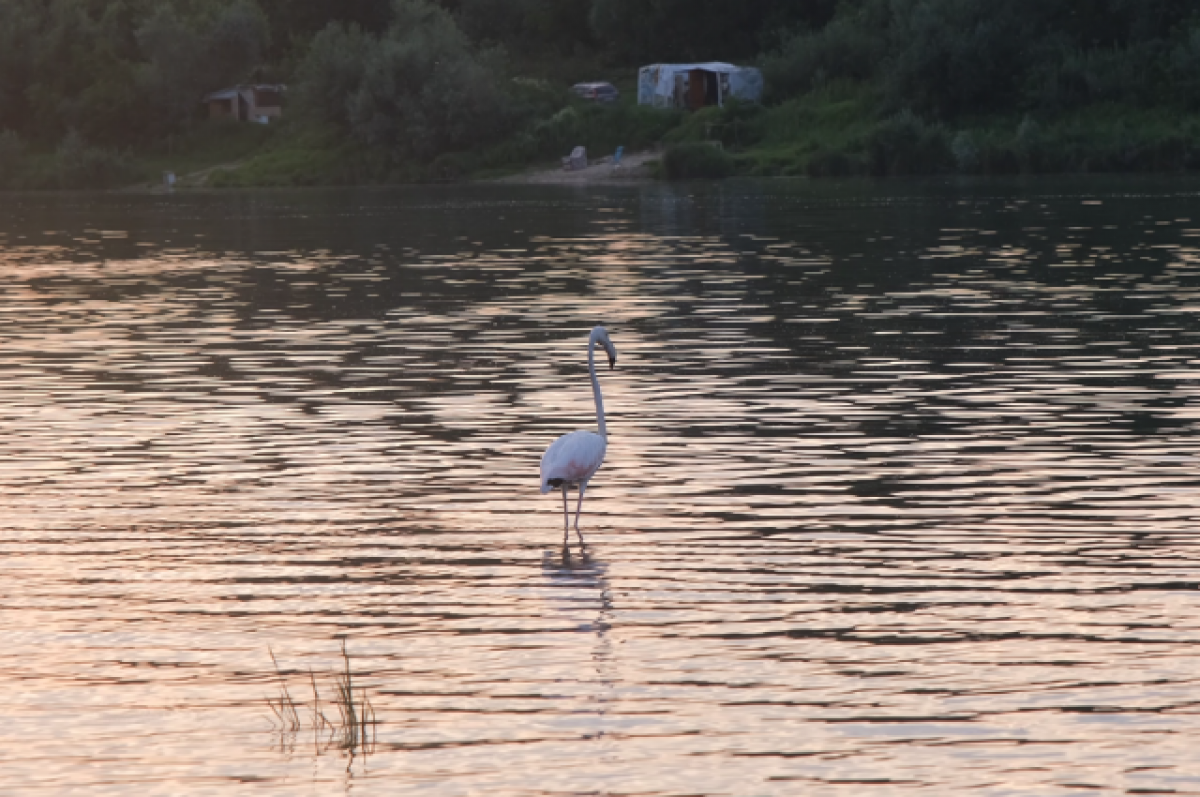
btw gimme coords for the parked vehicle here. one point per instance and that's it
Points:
(597, 92)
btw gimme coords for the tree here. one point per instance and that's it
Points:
(528, 27)
(416, 91)
(19, 22)
(293, 23)
(702, 30)
(172, 78)
(188, 57)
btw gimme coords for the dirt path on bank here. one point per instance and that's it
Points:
(633, 168)
(193, 179)
(199, 179)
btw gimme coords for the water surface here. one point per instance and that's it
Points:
(901, 495)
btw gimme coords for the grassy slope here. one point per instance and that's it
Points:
(836, 130)
(206, 145)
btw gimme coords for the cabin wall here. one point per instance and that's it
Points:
(694, 86)
(219, 109)
(247, 103)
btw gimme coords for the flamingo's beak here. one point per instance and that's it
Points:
(612, 363)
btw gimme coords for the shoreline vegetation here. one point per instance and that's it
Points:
(108, 94)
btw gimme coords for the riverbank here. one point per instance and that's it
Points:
(835, 131)
(838, 130)
(441, 91)
(633, 167)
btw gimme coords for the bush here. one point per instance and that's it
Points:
(1099, 139)
(80, 165)
(187, 55)
(965, 152)
(1185, 65)
(737, 124)
(1030, 146)
(12, 153)
(696, 159)
(417, 91)
(906, 144)
(824, 163)
(953, 56)
(306, 161)
(331, 71)
(601, 128)
(848, 48)
(636, 31)
(1074, 78)
(996, 153)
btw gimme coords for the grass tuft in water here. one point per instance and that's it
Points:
(284, 707)
(352, 730)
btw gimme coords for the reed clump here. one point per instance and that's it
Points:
(352, 729)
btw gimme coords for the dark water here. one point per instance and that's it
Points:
(901, 495)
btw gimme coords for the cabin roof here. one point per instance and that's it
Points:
(233, 91)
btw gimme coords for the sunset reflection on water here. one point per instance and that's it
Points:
(900, 495)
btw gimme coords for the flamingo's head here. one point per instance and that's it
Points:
(600, 335)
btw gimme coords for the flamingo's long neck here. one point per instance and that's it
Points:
(596, 387)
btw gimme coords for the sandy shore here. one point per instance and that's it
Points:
(633, 168)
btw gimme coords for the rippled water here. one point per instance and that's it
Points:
(901, 495)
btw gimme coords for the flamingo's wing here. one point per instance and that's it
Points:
(572, 458)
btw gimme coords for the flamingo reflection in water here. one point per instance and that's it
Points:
(574, 458)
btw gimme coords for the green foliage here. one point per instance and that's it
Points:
(331, 72)
(207, 144)
(423, 93)
(1099, 139)
(953, 56)
(949, 58)
(601, 128)
(694, 159)
(561, 27)
(819, 134)
(416, 91)
(825, 163)
(848, 48)
(235, 42)
(1081, 77)
(289, 165)
(387, 90)
(81, 165)
(123, 72)
(906, 144)
(656, 31)
(423, 90)
(11, 151)
(187, 57)
(965, 152)
(293, 23)
(736, 125)
(12, 154)
(1016, 79)
(1184, 61)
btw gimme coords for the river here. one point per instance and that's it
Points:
(901, 495)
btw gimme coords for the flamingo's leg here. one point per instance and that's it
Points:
(566, 514)
(579, 504)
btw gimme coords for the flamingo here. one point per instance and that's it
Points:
(574, 458)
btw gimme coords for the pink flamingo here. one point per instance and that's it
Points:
(574, 458)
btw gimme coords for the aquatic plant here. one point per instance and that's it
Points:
(353, 730)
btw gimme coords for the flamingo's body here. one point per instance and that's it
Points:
(574, 458)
